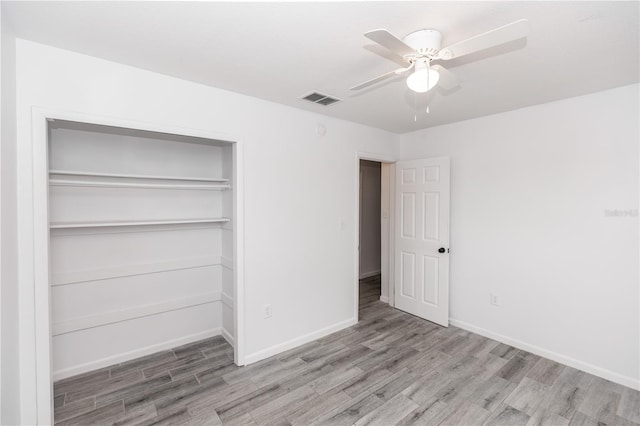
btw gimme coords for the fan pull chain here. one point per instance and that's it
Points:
(415, 108)
(427, 109)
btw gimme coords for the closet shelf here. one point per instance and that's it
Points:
(111, 224)
(94, 184)
(135, 176)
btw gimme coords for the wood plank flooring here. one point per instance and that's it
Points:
(389, 369)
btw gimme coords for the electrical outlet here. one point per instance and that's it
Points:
(493, 299)
(267, 311)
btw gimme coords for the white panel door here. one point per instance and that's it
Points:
(422, 238)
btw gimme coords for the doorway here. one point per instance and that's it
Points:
(414, 236)
(370, 256)
(374, 263)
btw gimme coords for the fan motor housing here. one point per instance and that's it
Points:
(425, 42)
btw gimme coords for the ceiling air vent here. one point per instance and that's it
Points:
(319, 98)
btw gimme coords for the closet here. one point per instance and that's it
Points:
(141, 243)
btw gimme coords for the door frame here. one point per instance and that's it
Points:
(387, 159)
(33, 267)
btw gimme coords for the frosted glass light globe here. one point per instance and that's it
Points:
(422, 79)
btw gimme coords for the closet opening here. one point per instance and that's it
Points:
(136, 246)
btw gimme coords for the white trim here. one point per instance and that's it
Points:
(369, 274)
(392, 230)
(385, 229)
(298, 341)
(73, 277)
(384, 299)
(157, 127)
(372, 156)
(239, 332)
(554, 356)
(37, 259)
(116, 359)
(228, 337)
(36, 401)
(127, 314)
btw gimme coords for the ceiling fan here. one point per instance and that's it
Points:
(421, 47)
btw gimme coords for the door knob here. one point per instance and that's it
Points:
(441, 250)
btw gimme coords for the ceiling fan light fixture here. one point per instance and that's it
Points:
(423, 78)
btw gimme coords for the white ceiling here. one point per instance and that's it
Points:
(281, 51)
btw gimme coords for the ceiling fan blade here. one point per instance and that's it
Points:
(447, 80)
(391, 42)
(497, 36)
(381, 77)
(374, 80)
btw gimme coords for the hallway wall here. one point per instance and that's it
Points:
(369, 218)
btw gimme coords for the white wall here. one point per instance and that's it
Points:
(529, 191)
(9, 355)
(298, 186)
(370, 186)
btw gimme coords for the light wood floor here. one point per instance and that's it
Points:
(391, 368)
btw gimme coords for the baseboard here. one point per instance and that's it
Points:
(384, 299)
(370, 274)
(228, 337)
(148, 350)
(554, 356)
(298, 341)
